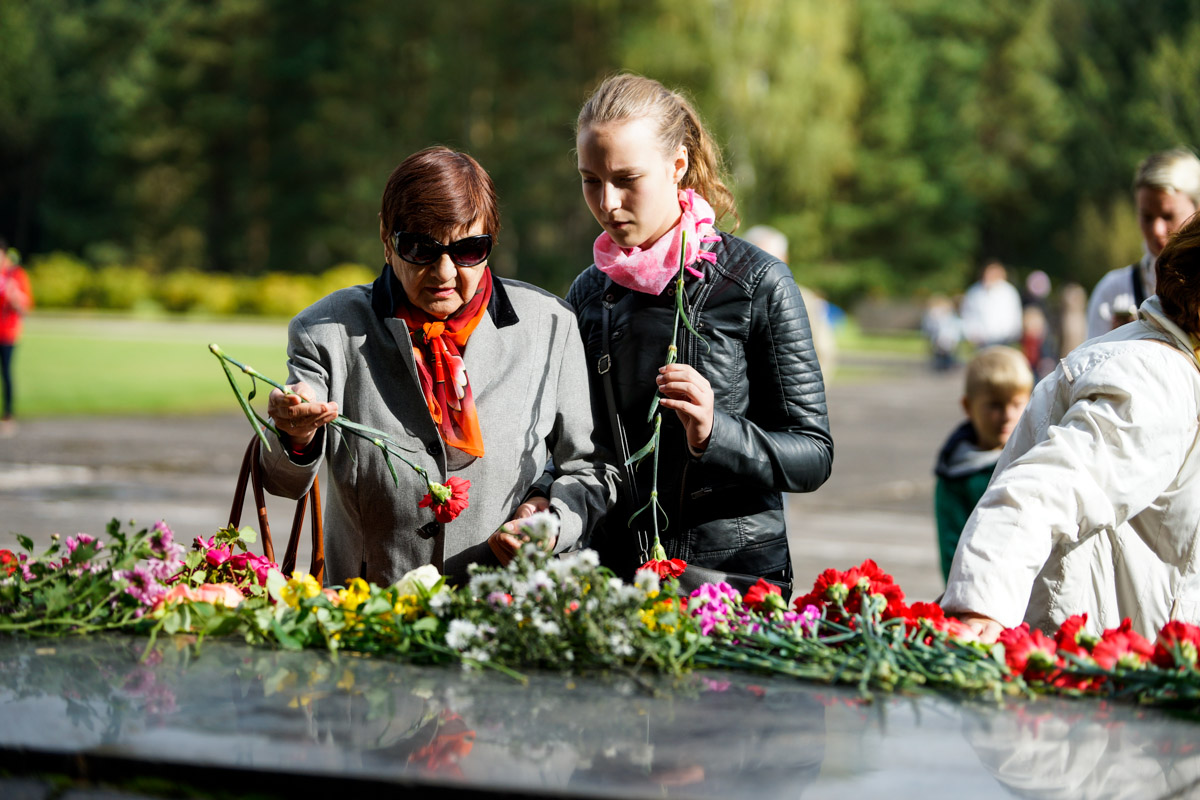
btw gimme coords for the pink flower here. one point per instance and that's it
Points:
(218, 555)
(219, 594)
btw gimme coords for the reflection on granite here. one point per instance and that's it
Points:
(304, 716)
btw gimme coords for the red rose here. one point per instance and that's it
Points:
(756, 595)
(666, 567)
(450, 501)
(1122, 647)
(1178, 644)
(1028, 653)
(8, 562)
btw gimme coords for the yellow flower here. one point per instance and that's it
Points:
(649, 619)
(408, 607)
(302, 586)
(355, 594)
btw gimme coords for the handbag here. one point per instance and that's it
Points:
(251, 473)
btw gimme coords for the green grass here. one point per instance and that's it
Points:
(852, 339)
(77, 364)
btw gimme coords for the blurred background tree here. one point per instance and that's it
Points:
(897, 142)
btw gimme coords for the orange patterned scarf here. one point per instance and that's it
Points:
(437, 347)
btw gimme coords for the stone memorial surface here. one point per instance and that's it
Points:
(229, 715)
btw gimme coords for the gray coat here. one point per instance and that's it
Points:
(526, 367)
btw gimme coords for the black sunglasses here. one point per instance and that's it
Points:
(421, 249)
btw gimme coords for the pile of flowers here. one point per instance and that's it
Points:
(567, 612)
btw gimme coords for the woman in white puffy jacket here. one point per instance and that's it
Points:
(1095, 504)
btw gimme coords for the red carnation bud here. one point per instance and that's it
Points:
(447, 500)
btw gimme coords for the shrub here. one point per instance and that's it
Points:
(59, 280)
(121, 288)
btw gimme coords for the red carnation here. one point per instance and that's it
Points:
(832, 586)
(448, 500)
(756, 596)
(1122, 647)
(1072, 638)
(665, 567)
(8, 562)
(1028, 653)
(1178, 645)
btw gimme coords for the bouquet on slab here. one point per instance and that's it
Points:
(569, 613)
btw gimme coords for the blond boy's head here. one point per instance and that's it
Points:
(999, 382)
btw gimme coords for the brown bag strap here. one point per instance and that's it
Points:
(251, 473)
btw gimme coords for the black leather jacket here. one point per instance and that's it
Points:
(770, 429)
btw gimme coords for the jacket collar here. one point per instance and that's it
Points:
(1151, 311)
(387, 289)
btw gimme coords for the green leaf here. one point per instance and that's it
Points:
(284, 638)
(426, 624)
(387, 459)
(171, 623)
(653, 406)
(247, 534)
(646, 450)
(26, 542)
(687, 322)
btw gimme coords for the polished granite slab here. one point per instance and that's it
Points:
(242, 718)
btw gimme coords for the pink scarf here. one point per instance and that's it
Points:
(650, 270)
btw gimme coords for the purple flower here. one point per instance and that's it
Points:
(162, 538)
(143, 586)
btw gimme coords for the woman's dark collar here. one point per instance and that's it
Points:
(387, 288)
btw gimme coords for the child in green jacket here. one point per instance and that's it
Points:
(998, 385)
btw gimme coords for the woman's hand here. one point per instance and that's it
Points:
(690, 396)
(985, 628)
(297, 416)
(508, 540)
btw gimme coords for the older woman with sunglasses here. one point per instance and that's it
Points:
(473, 375)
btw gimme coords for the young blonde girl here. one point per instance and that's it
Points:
(744, 407)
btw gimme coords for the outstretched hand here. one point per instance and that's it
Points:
(986, 629)
(297, 416)
(508, 540)
(689, 394)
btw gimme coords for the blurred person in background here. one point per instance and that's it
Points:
(1072, 318)
(16, 298)
(991, 308)
(943, 328)
(1037, 336)
(775, 242)
(1166, 189)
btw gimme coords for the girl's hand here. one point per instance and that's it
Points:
(690, 396)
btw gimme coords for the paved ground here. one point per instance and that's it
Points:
(71, 475)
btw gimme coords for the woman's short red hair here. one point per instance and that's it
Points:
(440, 192)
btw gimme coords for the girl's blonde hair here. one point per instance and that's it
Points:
(627, 96)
